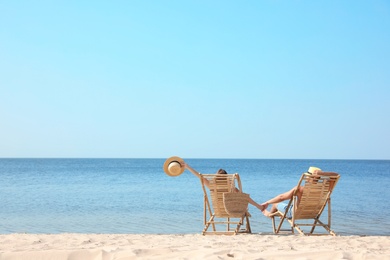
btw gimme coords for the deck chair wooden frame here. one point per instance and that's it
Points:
(215, 215)
(315, 198)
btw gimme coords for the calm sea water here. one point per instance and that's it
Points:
(136, 196)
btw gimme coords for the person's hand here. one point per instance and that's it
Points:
(263, 206)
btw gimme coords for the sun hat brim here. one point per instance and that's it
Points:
(312, 169)
(171, 160)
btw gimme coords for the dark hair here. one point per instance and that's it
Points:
(221, 171)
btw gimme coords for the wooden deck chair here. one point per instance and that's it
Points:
(224, 205)
(315, 198)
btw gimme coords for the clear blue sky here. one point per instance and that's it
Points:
(197, 79)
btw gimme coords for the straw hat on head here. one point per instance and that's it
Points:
(313, 169)
(174, 166)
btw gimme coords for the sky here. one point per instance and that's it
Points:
(196, 79)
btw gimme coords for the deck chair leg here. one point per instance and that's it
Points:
(248, 226)
(228, 224)
(273, 224)
(212, 221)
(280, 224)
(300, 231)
(327, 228)
(330, 218)
(314, 225)
(208, 225)
(276, 227)
(238, 226)
(244, 220)
(292, 225)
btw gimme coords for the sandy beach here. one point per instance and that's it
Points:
(190, 246)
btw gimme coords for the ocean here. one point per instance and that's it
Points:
(135, 196)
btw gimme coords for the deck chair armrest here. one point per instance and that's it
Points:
(276, 214)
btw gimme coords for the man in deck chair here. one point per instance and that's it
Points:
(278, 201)
(220, 171)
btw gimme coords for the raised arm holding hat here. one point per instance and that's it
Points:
(174, 166)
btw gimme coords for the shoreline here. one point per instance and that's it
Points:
(190, 246)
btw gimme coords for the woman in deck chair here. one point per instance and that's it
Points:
(220, 171)
(278, 201)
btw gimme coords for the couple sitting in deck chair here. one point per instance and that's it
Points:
(228, 202)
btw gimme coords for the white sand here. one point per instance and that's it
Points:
(191, 246)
